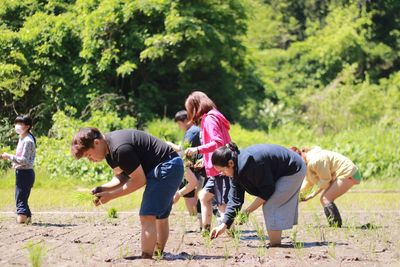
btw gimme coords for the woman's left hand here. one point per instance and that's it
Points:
(103, 198)
(217, 231)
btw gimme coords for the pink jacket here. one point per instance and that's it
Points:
(214, 132)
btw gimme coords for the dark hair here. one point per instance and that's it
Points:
(27, 120)
(224, 154)
(197, 104)
(84, 140)
(181, 116)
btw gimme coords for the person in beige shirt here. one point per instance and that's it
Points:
(333, 174)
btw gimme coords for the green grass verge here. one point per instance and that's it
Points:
(70, 194)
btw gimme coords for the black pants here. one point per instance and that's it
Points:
(24, 183)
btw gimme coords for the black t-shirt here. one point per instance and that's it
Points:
(131, 148)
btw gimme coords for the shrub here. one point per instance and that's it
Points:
(165, 129)
(53, 153)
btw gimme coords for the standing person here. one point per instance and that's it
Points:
(137, 159)
(333, 173)
(23, 162)
(215, 133)
(273, 174)
(191, 139)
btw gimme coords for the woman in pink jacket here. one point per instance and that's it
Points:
(214, 133)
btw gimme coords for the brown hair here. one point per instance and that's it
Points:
(197, 104)
(83, 140)
(300, 151)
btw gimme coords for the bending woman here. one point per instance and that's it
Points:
(137, 159)
(273, 174)
(333, 173)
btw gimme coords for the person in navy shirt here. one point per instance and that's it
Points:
(273, 174)
(195, 175)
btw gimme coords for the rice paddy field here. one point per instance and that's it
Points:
(67, 230)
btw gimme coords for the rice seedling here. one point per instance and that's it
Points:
(207, 239)
(332, 249)
(123, 251)
(319, 230)
(235, 233)
(180, 242)
(259, 230)
(82, 252)
(112, 213)
(242, 218)
(296, 244)
(85, 198)
(260, 251)
(226, 253)
(37, 252)
(158, 254)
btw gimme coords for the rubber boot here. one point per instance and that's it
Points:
(333, 215)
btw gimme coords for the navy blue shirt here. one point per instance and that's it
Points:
(258, 169)
(192, 135)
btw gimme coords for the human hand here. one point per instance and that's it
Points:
(6, 156)
(102, 198)
(199, 164)
(306, 198)
(217, 231)
(96, 190)
(177, 196)
(191, 151)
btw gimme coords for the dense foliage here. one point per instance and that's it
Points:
(57, 53)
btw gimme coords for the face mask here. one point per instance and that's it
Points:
(18, 129)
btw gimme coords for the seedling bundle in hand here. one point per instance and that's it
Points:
(87, 197)
(189, 161)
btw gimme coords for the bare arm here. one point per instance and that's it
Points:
(254, 205)
(117, 181)
(192, 182)
(313, 194)
(137, 179)
(191, 185)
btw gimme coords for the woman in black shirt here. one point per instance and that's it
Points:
(137, 159)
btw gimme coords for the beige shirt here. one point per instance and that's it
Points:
(324, 166)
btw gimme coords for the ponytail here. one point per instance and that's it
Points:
(224, 154)
(33, 137)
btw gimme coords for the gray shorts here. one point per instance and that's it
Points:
(281, 209)
(218, 186)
